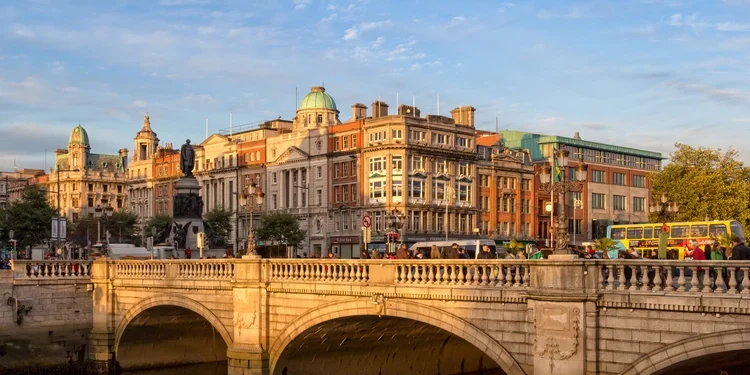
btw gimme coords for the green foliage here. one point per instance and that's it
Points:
(704, 182)
(219, 222)
(281, 228)
(163, 225)
(30, 218)
(85, 229)
(725, 240)
(82, 231)
(514, 246)
(604, 244)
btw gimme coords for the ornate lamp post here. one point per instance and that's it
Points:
(253, 197)
(102, 214)
(562, 187)
(394, 223)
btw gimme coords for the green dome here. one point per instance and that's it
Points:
(79, 136)
(317, 98)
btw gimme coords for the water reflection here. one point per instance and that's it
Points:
(216, 368)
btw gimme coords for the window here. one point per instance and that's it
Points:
(525, 206)
(345, 193)
(246, 158)
(618, 233)
(397, 162)
(344, 142)
(416, 216)
(274, 178)
(463, 169)
(320, 172)
(336, 144)
(525, 229)
(416, 188)
(417, 163)
(597, 201)
(354, 140)
(648, 232)
(354, 168)
(680, 231)
(464, 192)
(336, 194)
(525, 184)
(441, 166)
(700, 230)
(438, 189)
(635, 233)
(336, 170)
(91, 187)
(319, 119)
(91, 202)
(376, 189)
(397, 188)
(597, 176)
(639, 204)
(618, 178)
(320, 197)
(574, 226)
(574, 196)
(639, 181)
(344, 169)
(397, 134)
(618, 202)
(75, 202)
(377, 164)
(119, 188)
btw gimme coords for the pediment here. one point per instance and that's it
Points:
(507, 155)
(292, 154)
(215, 139)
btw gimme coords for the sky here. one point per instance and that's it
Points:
(637, 73)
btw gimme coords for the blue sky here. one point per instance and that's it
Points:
(640, 73)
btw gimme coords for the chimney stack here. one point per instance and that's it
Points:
(379, 109)
(359, 111)
(463, 115)
(576, 136)
(408, 110)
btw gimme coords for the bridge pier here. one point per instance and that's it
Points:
(247, 361)
(248, 355)
(101, 358)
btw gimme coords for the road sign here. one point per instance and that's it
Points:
(366, 221)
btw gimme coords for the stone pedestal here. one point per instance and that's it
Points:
(187, 210)
(248, 356)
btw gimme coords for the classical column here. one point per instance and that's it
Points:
(247, 354)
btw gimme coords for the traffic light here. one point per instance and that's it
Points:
(201, 239)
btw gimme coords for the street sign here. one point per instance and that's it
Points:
(366, 221)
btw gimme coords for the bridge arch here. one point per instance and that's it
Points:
(690, 348)
(171, 300)
(399, 309)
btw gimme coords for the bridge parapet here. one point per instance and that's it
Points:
(51, 271)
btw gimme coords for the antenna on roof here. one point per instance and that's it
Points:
(396, 101)
(497, 124)
(207, 128)
(438, 104)
(230, 124)
(296, 102)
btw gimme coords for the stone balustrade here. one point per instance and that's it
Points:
(676, 276)
(327, 270)
(51, 269)
(209, 269)
(138, 269)
(503, 273)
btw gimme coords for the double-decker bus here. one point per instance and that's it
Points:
(645, 237)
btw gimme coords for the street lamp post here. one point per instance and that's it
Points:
(665, 209)
(253, 197)
(59, 216)
(396, 220)
(450, 194)
(102, 213)
(562, 187)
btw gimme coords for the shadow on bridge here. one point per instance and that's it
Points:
(169, 335)
(729, 363)
(381, 345)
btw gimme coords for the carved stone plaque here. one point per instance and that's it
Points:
(556, 330)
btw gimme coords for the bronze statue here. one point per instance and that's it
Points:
(180, 234)
(187, 159)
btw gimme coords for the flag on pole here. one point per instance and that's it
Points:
(556, 170)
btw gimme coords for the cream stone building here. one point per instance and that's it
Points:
(297, 169)
(85, 181)
(140, 173)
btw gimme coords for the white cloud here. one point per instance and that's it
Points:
(742, 120)
(732, 26)
(367, 26)
(28, 91)
(301, 4)
(70, 89)
(329, 18)
(692, 21)
(183, 2)
(429, 64)
(737, 2)
(139, 103)
(206, 30)
(378, 42)
(457, 20)
(572, 13)
(58, 65)
(351, 33)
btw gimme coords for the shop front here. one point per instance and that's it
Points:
(346, 247)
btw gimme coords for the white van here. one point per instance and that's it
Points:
(472, 247)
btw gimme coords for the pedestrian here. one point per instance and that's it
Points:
(188, 253)
(402, 252)
(435, 253)
(486, 253)
(364, 255)
(740, 251)
(453, 252)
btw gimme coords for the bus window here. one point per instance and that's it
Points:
(736, 229)
(657, 232)
(648, 232)
(681, 231)
(618, 233)
(700, 230)
(716, 230)
(635, 233)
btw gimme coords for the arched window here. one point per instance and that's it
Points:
(75, 160)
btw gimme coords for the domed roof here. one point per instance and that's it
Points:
(317, 99)
(79, 136)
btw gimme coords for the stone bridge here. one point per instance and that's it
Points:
(320, 316)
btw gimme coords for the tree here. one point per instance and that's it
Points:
(706, 183)
(30, 218)
(281, 228)
(218, 225)
(604, 244)
(122, 224)
(83, 230)
(163, 225)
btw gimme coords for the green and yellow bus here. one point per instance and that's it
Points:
(645, 237)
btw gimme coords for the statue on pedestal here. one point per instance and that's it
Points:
(180, 234)
(187, 159)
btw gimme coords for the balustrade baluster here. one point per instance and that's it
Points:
(657, 278)
(621, 277)
(365, 272)
(427, 272)
(358, 272)
(444, 276)
(610, 277)
(694, 279)
(453, 275)
(508, 276)
(475, 274)
(707, 281)
(681, 279)
(633, 277)
(746, 282)
(645, 285)
(720, 280)
(485, 276)
(517, 277)
(732, 281)
(401, 277)
(461, 275)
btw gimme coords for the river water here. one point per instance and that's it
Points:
(217, 368)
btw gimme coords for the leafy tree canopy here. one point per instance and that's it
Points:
(280, 227)
(86, 228)
(219, 225)
(163, 225)
(706, 183)
(30, 219)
